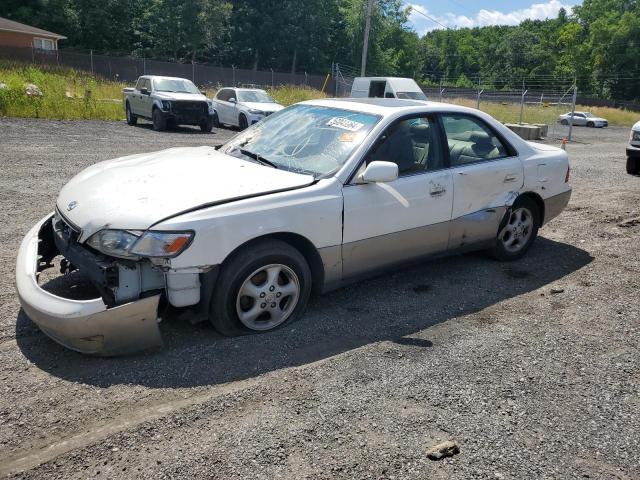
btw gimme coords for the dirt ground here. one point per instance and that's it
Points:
(532, 367)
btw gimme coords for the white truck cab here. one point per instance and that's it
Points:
(386, 87)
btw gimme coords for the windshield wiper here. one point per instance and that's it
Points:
(257, 157)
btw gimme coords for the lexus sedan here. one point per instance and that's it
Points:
(314, 196)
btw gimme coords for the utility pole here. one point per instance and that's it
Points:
(365, 46)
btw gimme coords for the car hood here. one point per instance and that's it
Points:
(636, 127)
(194, 97)
(137, 191)
(264, 106)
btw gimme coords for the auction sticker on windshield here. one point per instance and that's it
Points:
(345, 124)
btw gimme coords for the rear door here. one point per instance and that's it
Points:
(389, 223)
(486, 172)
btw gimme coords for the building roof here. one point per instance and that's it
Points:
(7, 25)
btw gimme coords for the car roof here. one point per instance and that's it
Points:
(388, 106)
(153, 77)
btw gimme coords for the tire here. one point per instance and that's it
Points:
(564, 121)
(244, 287)
(243, 124)
(131, 118)
(633, 166)
(590, 124)
(215, 120)
(517, 231)
(206, 125)
(159, 122)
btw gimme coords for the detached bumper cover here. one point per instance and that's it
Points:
(86, 326)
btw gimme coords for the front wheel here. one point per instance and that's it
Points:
(518, 231)
(564, 122)
(590, 124)
(131, 118)
(159, 122)
(260, 288)
(633, 166)
(207, 125)
(243, 124)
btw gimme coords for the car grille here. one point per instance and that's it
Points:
(188, 107)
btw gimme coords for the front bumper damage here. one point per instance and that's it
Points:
(87, 326)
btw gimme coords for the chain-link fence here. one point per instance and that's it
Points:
(527, 106)
(128, 69)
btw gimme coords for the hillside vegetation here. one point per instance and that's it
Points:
(72, 94)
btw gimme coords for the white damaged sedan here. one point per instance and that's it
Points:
(314, 196)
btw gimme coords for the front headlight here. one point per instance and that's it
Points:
(166, 105)
(115, 243)
(253, 111)
(135, 244)
(635, 136)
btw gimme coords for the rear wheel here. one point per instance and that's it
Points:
(131, 118)
(159, 122)
(518, 231)
(243, 124)
(564, 121)
(260, 288)
(633, 166)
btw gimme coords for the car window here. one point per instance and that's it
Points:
(257, 96)
(471, 140)
(175, 85)
(223, 94)
(411, 144)
(139, 83)
(147, 84)
(308, 139)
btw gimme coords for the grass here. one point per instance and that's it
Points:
(510, 112)
(67, 94)
(73, 94)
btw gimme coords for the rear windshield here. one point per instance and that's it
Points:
(411, 95)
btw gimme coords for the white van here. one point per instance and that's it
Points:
(386, 87)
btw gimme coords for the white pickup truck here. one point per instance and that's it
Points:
(168, 101)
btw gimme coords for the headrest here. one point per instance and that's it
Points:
(420, 129)
(479, 137)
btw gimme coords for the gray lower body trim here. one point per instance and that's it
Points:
(473, 228)
(332, 262)
(378, 252)
(553, 206)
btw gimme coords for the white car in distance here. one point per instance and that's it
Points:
(242, 107)
(583, 119)
(313, 197)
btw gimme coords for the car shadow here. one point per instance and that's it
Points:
(183, 129)
(393, 307)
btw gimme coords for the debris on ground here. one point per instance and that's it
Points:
(442, 450)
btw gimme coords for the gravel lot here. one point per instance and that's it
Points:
(529, 383)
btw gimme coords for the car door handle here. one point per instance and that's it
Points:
(437, 190)
(510, 178)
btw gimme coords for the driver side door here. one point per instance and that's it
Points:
(390, 223)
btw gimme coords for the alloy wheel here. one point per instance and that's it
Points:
(268, 297)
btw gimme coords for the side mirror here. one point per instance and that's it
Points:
(144, 91)
(379, 172)
(233, 100)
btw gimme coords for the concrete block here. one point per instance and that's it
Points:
(528, 132)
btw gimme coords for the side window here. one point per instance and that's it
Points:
(147, 84)
(223, 95)
(471, 140)
(412, 144)
(139, 84)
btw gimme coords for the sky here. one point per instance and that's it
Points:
(472, 13)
